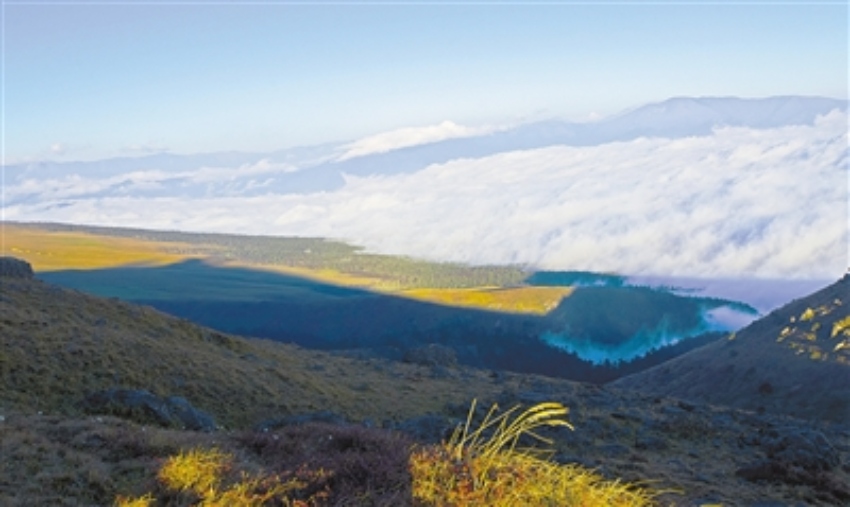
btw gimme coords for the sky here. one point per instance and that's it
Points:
(91, 80)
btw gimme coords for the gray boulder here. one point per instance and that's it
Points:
(321, 416)
(145, 407)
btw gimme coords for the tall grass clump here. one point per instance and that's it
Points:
(486, 467)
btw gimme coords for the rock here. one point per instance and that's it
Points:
(432, 354)
(804, 448)
(145, 407)
(430, 428)
(10, 267)
(190, 417)
(322, 416)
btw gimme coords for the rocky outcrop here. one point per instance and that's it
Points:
(145, 407)
(321, 416)
(10, 267)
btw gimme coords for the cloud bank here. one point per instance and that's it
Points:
(739, 202)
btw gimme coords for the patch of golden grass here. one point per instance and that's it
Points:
(55, 250)
(142, 501)
(819, 334)
(485, 467)
(841, 327)
(195, 470)
(202, 474)
(532, 300)
(48, 250)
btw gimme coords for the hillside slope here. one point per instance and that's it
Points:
(794, 361)
(58, 346)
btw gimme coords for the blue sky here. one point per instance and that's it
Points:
(96, 79)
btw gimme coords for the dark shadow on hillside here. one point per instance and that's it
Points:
(323, 316)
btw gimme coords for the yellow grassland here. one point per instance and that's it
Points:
(531, 300)
(57, 250)
(330, 276)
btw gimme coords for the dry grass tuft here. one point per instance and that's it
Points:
(485, 467)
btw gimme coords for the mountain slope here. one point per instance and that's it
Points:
(58, 346)
(795, 361)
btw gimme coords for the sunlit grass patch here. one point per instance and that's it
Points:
(327, 275)
(533, 300)
(485, 466)
(56, 250)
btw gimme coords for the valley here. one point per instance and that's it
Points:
(330, 296)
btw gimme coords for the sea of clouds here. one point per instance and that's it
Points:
(736, 202)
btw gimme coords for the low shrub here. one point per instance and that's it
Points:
(493, 464)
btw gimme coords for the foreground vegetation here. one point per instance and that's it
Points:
(481, 466)
(485, 466)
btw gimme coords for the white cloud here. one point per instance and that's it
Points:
(407, 137)
(216, 174)
(224, 180)
(58, 149)
(738, 202)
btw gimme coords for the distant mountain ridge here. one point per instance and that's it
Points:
(319, 168)
(699, 115)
